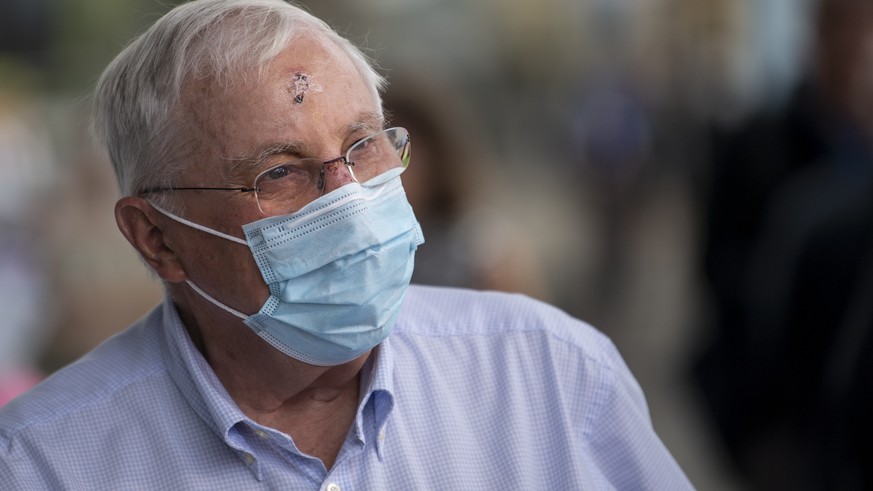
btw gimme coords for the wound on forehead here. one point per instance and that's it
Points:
(301, 84)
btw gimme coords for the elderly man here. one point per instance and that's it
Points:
(260, 185)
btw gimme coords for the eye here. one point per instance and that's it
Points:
(364, 143)
(278, 172)
(289, 180)
(283, 174)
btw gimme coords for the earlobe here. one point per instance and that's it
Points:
(135, 219)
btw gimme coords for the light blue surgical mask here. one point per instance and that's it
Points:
(337, 269)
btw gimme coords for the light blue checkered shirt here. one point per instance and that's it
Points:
(471, 391)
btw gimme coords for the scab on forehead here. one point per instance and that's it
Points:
(302, 83)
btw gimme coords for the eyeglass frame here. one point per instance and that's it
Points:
(254, 189)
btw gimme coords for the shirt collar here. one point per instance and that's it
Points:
(211, 401)
(200, 386)
(377, 389)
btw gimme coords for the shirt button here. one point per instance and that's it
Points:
(248, 458)
(261, 433)
(333, 487)
(382, 436)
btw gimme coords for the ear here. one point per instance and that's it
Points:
(137, 221)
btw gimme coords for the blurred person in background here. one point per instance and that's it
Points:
(611, 129)
(790, 260)
(25, 160)
(60, 248)
(85, 247)
(452, 187)
(26, 163)
(259, 185)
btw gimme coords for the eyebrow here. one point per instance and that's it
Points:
(371, 122)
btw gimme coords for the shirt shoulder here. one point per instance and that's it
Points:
(504, 364)
(88, 384)
(440, 311)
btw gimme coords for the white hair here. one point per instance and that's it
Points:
(136, 101)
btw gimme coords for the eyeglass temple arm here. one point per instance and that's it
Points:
(162, 189)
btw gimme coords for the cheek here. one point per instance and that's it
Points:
(244, 281)
(226, 270)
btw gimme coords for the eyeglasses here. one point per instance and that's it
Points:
(291, 185)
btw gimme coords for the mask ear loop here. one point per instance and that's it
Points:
(208, 230)
(198, 226)
(216, 302)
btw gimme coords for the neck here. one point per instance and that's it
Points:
(314, 405)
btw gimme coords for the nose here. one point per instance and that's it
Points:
(335, 174)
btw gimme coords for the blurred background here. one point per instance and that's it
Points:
(690, 176)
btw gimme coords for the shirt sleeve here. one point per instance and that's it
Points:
(623, 443)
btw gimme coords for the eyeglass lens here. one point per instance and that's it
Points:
(289, 186)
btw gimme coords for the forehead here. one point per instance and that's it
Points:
(266, 106)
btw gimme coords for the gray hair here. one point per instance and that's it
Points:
(135, 102)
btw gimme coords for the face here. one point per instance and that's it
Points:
(311, 102)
